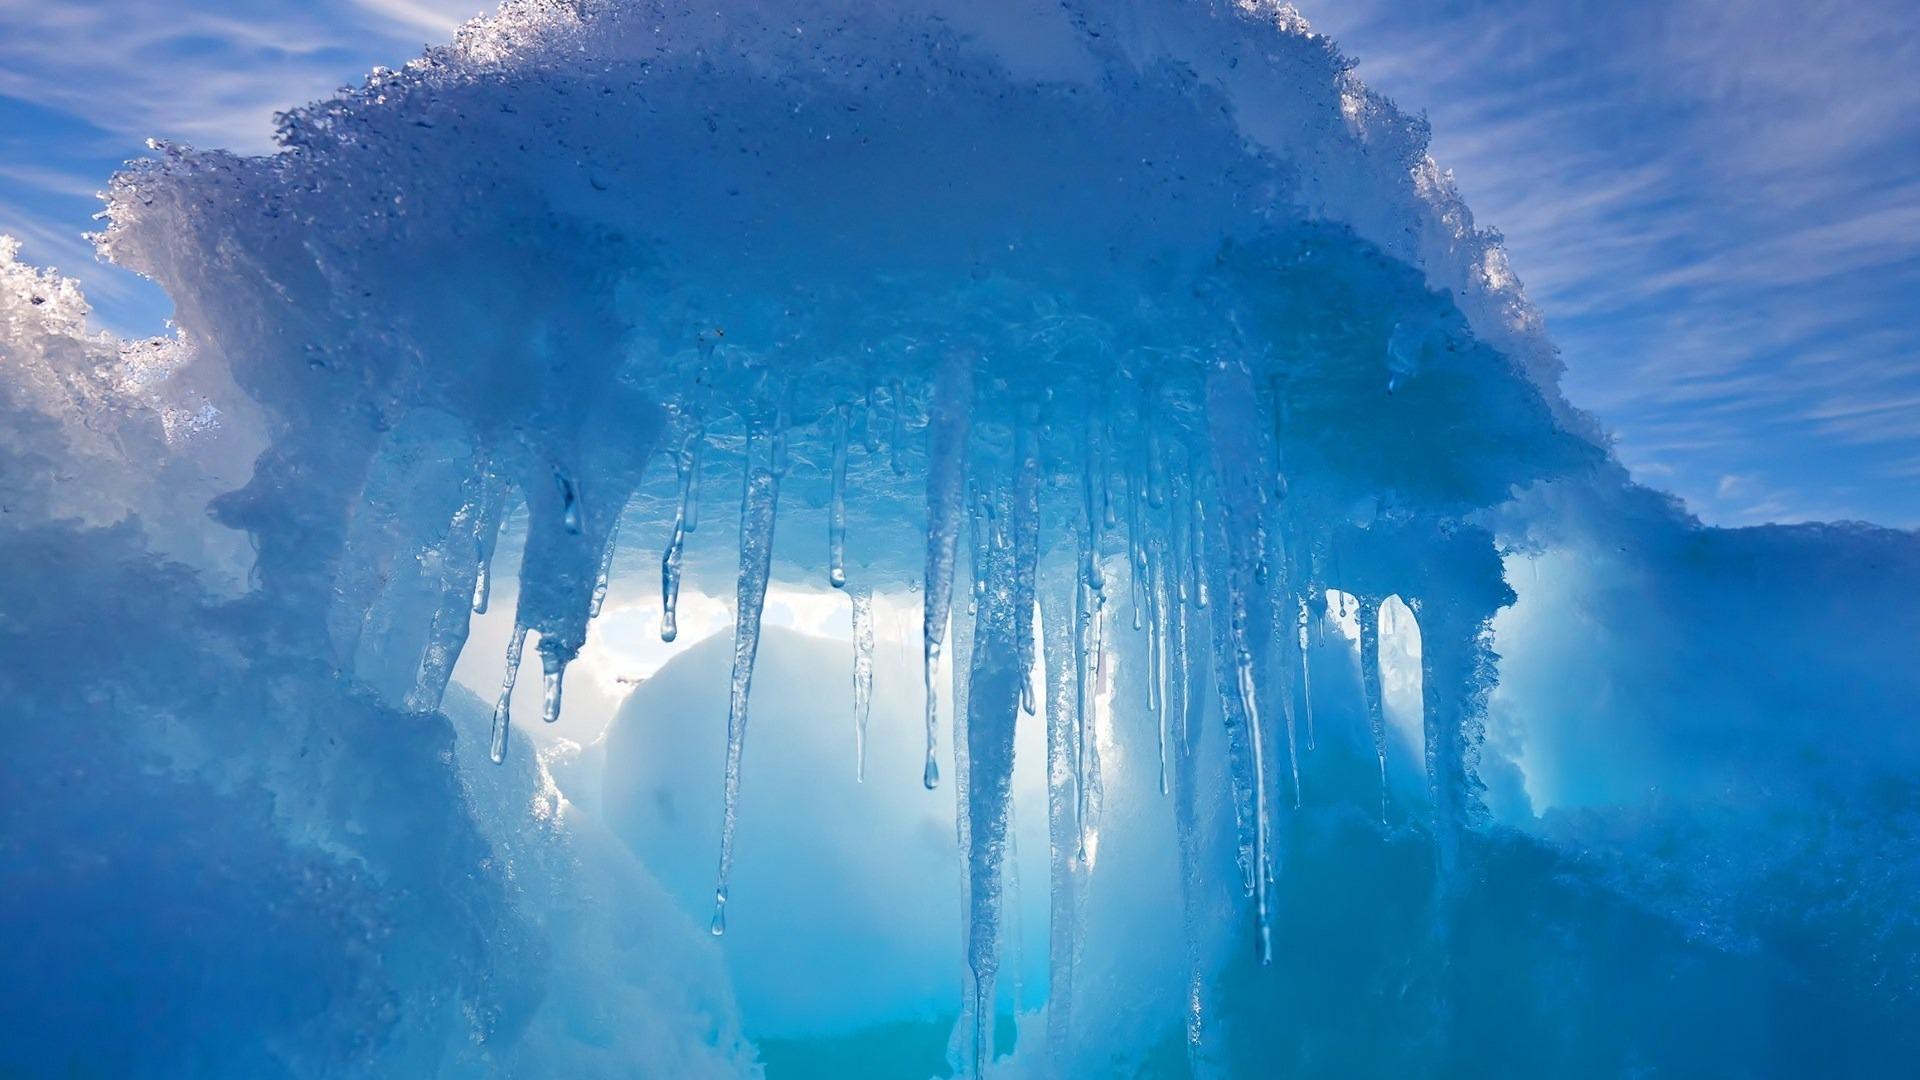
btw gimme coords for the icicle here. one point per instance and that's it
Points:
(690, 483)
(1090, 738)
(1186, 815)
(1180, 699)
(993, 680)
(487, 538)
(1456, 661)
(1151, 603)
(1180, 543)
(670, 580)
(837, 509)
(553, 669)
(1016, 948)
(1262, 825)
(1307, 620)
(759, 503)
(687, 467)
(1293, 742)
(503, 710)
(862, 676)
(1196, 533)
(971, 564)
(1026, 529)
(1157, 656)
(947, 423)
(870, 435)
(458, 562)
(1285, 628)
(1090, 598)
(606, 572)
(1136, 561)
(483, 586)
(1181, 566)
(1156, 466)
(1107, 518)
(1369, 616)
(1242, 546)
(1058, 643)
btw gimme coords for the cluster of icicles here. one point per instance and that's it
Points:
(1210, 550)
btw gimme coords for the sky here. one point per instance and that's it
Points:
(1716, 206)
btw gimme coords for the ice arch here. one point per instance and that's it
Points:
(1150, 318)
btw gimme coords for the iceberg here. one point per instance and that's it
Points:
(1241, 651)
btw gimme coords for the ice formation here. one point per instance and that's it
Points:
(1137, 346)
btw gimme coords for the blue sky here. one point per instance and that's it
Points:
(1716, 205)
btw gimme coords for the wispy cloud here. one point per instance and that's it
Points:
(1718, 208)
(84, 83)
(436, 19)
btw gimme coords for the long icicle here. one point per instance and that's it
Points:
(1026, 528)
(487, 537)
(503, 709)
(1059, 647)
(1181, 704)
(1197, 537)
(687, 466)
(862, 676)
(1090, 598)
(1239, 750)
(970, 566)
(1280, 660)
(1369, 616)
(1309, 617)
(601, 581)
(1262, 814)
(947, 423)
(1181, 566)
(1137, 561)
(759, 504)
(1157, 653)
(837, 508)
(459, 576)
(1242, 544)
(993, 703)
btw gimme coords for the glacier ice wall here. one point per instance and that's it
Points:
(1142, 353)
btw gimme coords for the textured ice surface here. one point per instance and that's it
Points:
(1372, 721)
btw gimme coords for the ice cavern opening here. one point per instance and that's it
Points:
(925, 539)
